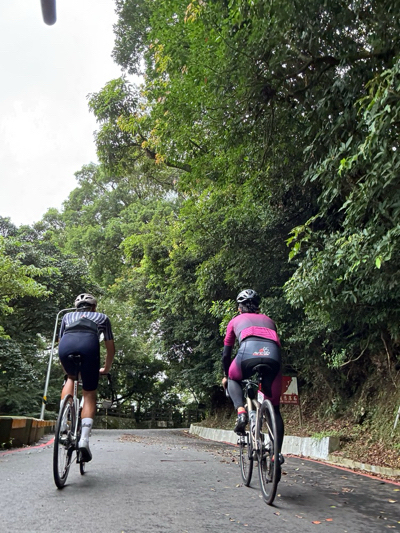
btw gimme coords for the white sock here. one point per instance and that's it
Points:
(87, 424)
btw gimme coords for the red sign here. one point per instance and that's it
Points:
(290, 393)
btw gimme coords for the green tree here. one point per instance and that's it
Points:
(17, 280)
(258, 102)
(37, 280)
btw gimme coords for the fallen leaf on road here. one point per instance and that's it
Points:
(298, 516)
(392, 501)
(329, 520)
(277, 513)
(315, 522)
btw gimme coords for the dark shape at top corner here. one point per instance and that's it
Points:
(49, 11)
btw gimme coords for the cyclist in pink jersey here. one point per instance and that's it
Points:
(258, 343)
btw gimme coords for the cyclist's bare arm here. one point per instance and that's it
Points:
(110, 347)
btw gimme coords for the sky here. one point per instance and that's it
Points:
(46, 128)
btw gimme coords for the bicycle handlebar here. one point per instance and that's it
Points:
(110, 384)
(108, 376)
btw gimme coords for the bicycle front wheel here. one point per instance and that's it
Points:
(63, 442)
(269, 469)
(246, 458)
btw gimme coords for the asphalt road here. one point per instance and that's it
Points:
(169, 481)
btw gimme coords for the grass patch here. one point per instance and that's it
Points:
(321, 435)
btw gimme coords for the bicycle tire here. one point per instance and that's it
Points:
(269, 469)
(63, 442)
(246, 459)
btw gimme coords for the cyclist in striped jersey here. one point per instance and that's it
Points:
(80, 333)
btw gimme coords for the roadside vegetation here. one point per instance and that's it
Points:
(260, 149)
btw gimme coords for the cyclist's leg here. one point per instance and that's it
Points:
(68, 387)
(236, 392)
(90, 365)
(89, 404)
(235, 382)
(67, 346)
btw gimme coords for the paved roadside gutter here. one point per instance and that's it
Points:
(319, 449)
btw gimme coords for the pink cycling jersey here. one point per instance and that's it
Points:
(250, 325)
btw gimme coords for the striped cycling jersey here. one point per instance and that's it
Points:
(250, 325)
(102, 321)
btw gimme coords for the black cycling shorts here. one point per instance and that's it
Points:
(87, 345)
(254, 351)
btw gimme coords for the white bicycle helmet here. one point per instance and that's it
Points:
(85, 300)
(247, 296)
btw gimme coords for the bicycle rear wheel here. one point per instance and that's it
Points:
(269, 469)
(63, 442)
(246, 458)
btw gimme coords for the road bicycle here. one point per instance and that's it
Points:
(68, 431)
(260, 442)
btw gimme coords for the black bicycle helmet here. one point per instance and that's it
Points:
(85, 300)
(247, 296)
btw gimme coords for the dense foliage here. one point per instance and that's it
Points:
(262, 150)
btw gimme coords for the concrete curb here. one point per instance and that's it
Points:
(308, 447)
(16, 431)
(372, 469)
(319, 449)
